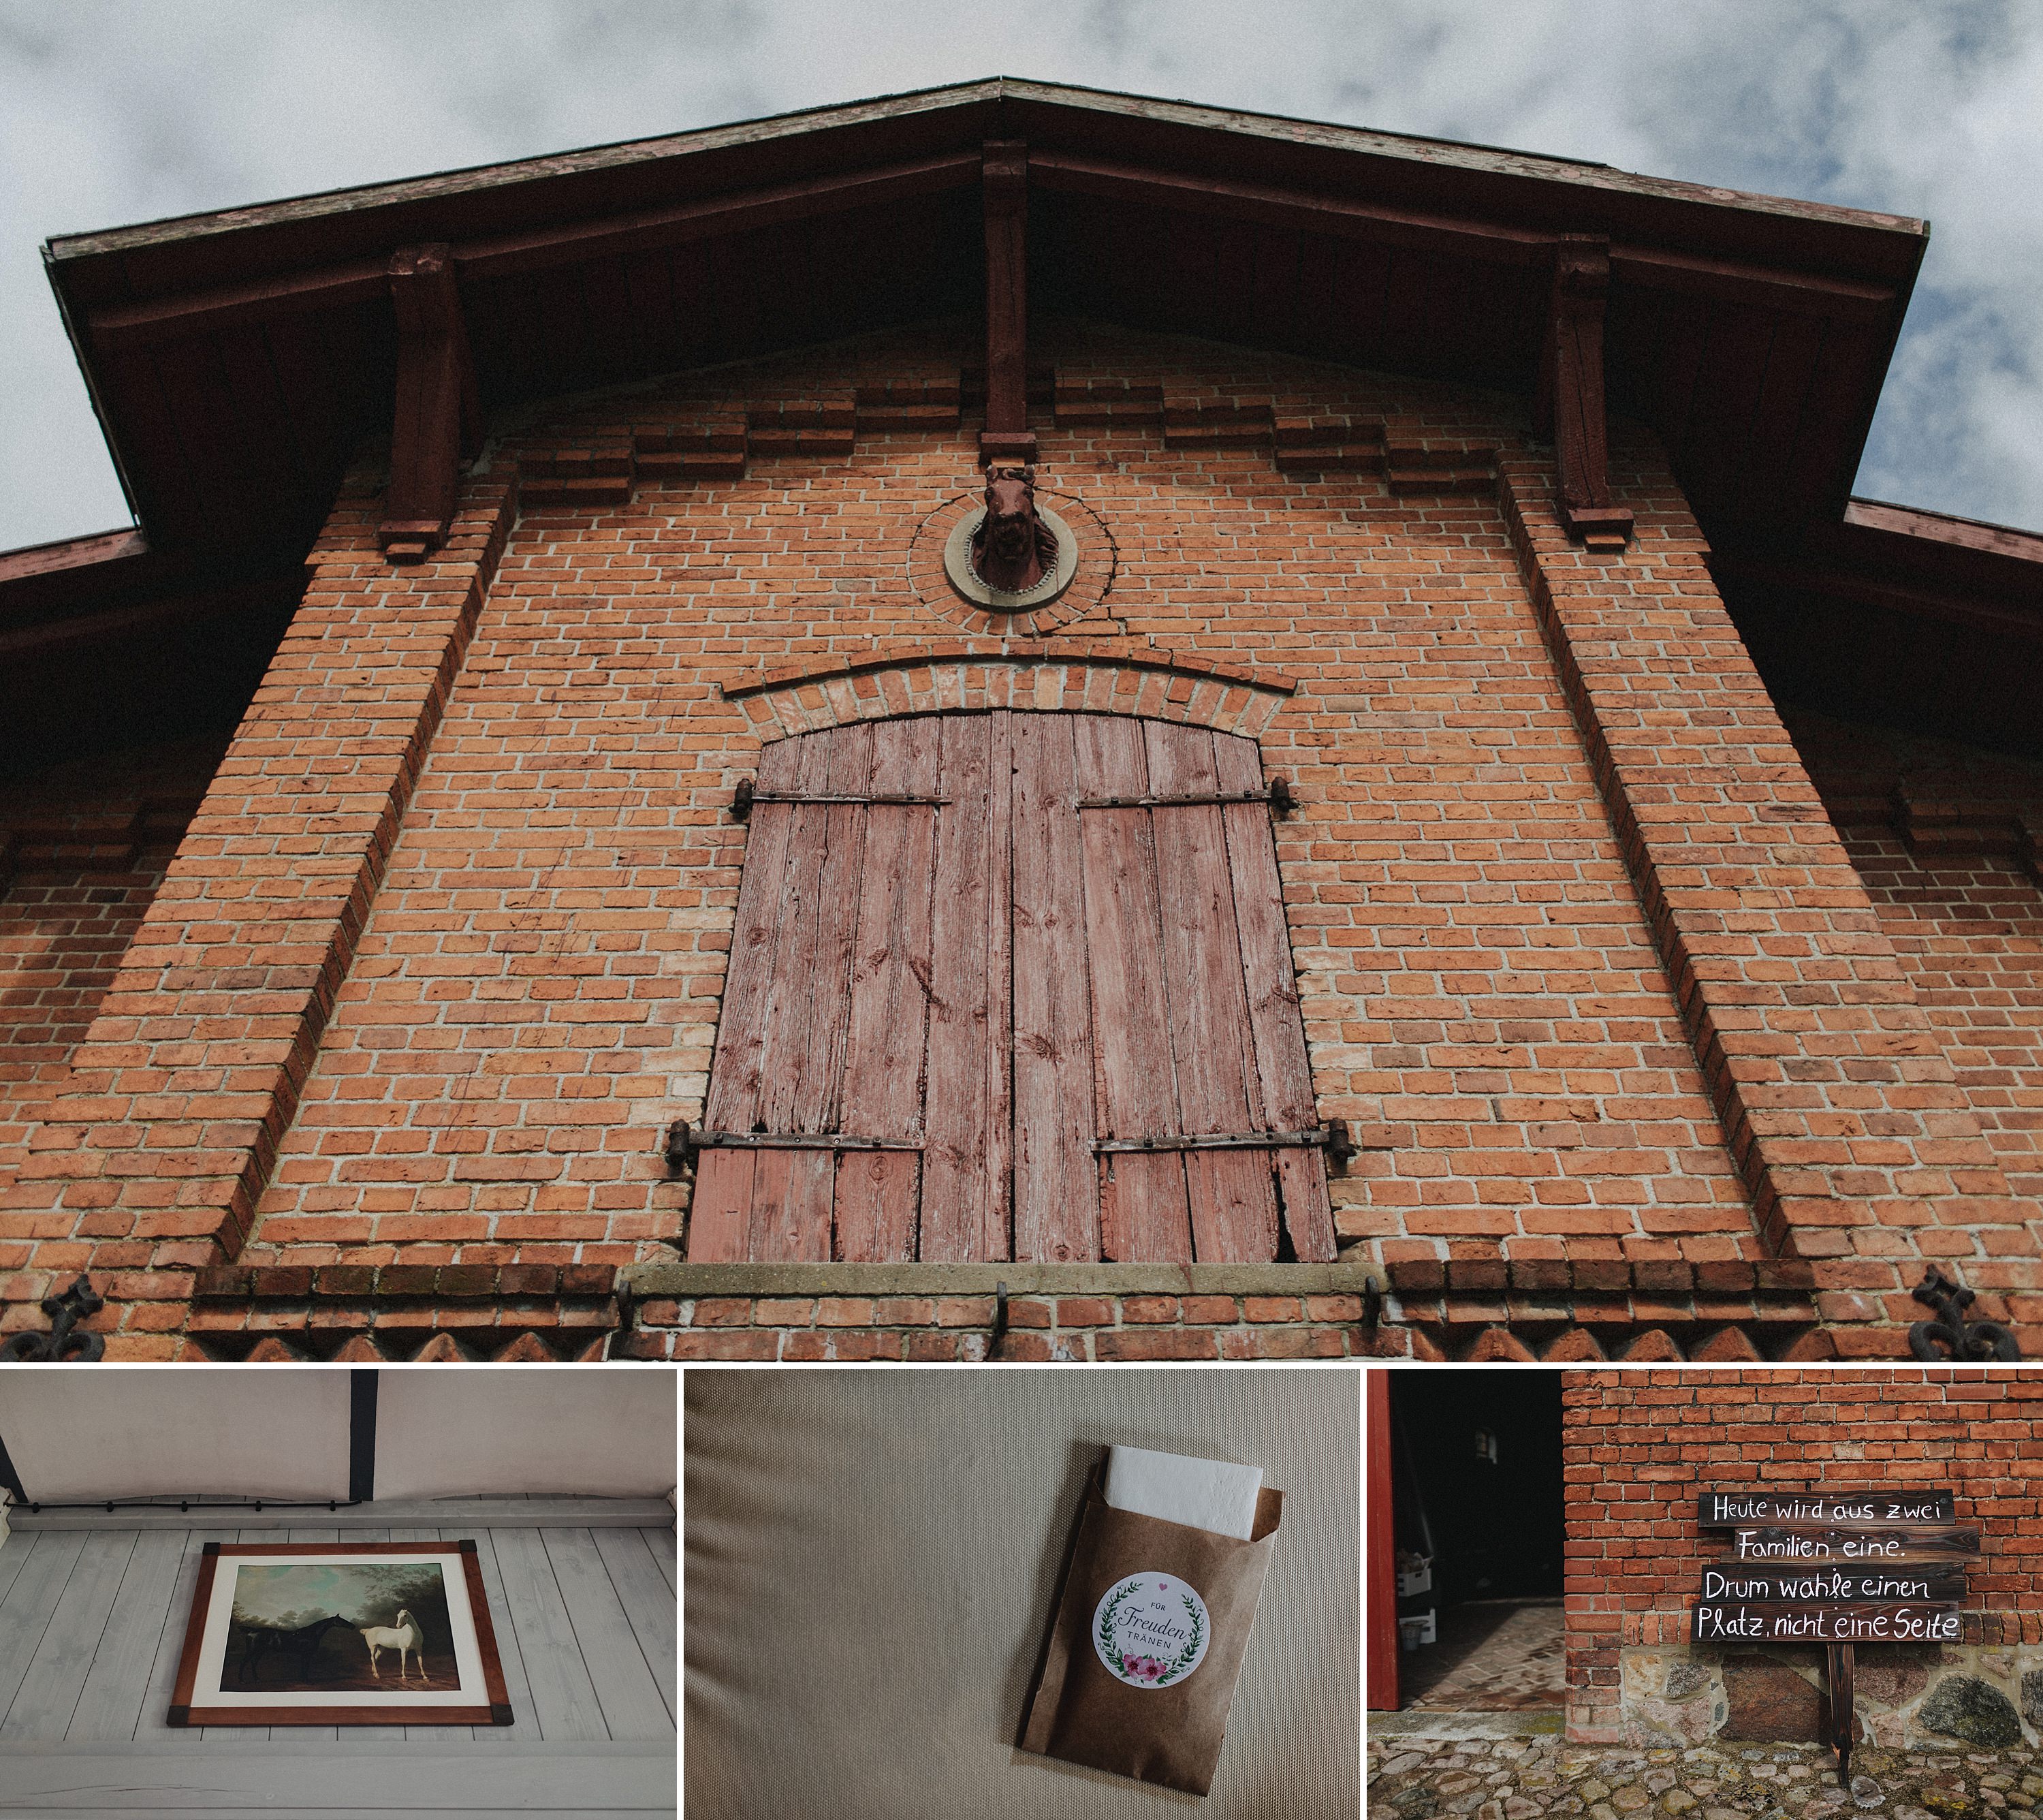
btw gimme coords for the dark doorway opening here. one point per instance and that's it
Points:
(1477, 1489)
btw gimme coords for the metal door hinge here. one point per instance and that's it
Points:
(1277, 796)
(1332, 1137)
(745, 795)
(684, 1141)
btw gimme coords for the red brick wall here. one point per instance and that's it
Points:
(1639, 1448)
(1946, 839)
(443, 953)
(83, 847)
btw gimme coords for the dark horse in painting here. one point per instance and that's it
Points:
(297, 1647)
(1012, 549)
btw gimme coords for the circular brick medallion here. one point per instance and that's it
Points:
(941, 575)
(964, 577)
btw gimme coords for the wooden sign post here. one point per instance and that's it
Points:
(1835, 1568)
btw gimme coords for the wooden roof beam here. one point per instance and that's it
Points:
(1004, 185)
(438, 415)
(1569, 406)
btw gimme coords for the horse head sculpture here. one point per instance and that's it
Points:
(1013, 550)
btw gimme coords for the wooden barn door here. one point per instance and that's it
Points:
(1011, 986)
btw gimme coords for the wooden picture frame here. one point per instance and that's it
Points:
(245, 1663)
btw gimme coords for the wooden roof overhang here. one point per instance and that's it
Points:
(237, 359)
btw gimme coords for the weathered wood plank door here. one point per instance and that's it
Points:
(978, 959)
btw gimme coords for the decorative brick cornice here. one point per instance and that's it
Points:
(1106, 676)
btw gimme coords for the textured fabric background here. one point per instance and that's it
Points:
(872, 1558)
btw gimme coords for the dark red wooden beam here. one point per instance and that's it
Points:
(1570, 404)
(1004, 180)
(439, 414)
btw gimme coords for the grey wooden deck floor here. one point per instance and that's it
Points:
(92, 1620)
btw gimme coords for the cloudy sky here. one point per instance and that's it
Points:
(117, 111)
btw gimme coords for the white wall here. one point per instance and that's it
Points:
(443, 1430)
(106, 1431)
(281, 1431)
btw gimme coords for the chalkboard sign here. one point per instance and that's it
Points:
(1836, 1567)
(1813, 1546)
(1768, 1583)
(1858, 1509)
(1826, 1623)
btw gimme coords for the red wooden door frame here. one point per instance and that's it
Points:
(1381, 1543)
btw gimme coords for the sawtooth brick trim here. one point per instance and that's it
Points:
(1840, 1108)
(1052, 676)
(150, 1163)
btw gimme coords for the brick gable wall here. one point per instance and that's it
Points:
(473, 841)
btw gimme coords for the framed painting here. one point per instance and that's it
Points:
(339, 1633)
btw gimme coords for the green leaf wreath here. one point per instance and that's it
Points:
(1179, 1665)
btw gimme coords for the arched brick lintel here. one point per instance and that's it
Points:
(1052, 676)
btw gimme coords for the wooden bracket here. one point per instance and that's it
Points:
(1004, 185)
(438, 418)
(1569, 406)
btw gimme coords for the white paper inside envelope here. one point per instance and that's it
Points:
(1201, 1494)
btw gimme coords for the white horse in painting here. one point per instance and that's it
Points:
(404, 1635)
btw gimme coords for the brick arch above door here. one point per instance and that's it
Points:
(1011, 986)
(1114, 676)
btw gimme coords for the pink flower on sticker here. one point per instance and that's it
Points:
(1151, 1668)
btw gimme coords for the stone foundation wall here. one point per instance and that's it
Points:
(1904, 1697)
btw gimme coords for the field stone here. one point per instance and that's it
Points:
(1684, 1677)
(1768, 1702)
(1893, 1676)
(2032, 1696)
(1966, 1708)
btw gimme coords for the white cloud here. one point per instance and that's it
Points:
(116, 113)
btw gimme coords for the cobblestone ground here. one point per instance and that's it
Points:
(1524, 1779)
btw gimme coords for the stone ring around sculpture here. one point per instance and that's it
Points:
(964, 577)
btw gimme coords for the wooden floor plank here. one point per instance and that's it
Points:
(24, 1614)
(665, 1550)
(13, 1554)
(110, 1706)
(632, 1705)
(387, 1782)
(1144, 1215)
(150, 1728)
(562, 1698)
(524, 1727)
(1270, 983)
(1057, 1177)
(1232, 1194)
(648, 1603)
(878, 1192)
(42, 1708)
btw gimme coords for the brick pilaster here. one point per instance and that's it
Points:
(150, 1162)
(1841, 1109)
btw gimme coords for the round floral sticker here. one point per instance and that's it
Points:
(1150, 1629)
